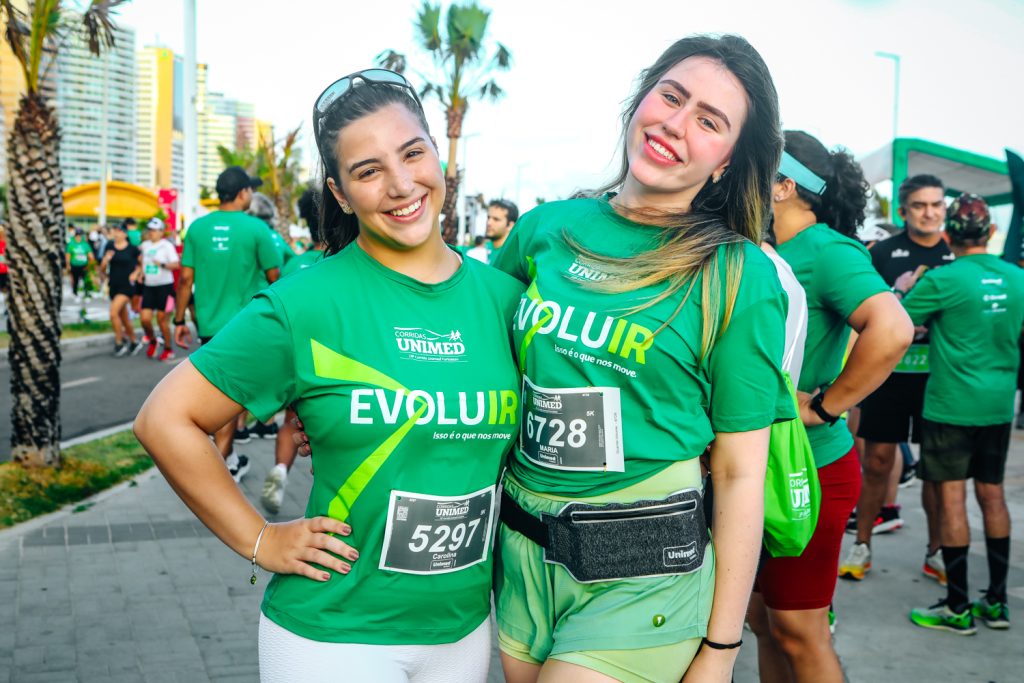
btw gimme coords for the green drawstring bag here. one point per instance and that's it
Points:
(792, 493)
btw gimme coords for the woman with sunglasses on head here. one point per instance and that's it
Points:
(818, 203)
(409, 401)
(653, 326)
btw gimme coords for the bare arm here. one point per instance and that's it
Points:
(182, 335)
(884, 334)
(173, 426)
(738, 462)
(273, 275)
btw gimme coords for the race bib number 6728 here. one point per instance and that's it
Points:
(574, 428)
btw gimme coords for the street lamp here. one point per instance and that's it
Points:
(463, 226)
(895, 90)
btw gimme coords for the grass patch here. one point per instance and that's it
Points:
(86, 329)
(88, 469)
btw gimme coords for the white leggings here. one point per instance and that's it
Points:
(286, 657)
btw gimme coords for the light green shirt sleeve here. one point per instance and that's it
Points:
(262, 379)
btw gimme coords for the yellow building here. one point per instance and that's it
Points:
(158, 132)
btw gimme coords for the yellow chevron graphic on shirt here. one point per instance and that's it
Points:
(330, 364)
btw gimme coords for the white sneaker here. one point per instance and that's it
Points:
(273, 489)
(857, 562)
(239, 469)
(934, 567)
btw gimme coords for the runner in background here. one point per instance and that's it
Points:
(892, 414)
(501, 218)
(410, 431)
(158, 258)
(229, 257)
(120, 265)
(479, 249)
(131, 229)
(285, 448)
(974, 309)
(78, 256)
(818, 202)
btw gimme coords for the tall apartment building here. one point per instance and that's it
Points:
(95, 104)
(160, 115)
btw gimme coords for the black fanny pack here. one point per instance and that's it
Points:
(618, 540)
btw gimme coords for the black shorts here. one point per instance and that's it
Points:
(3, 281)
(123, 288)
(155, 298)
(955, 453)
(887, 415)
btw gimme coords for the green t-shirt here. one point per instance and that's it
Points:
(836, 273)
(583, 348)
(301, 261)
(230, 252)
(403, 388)
(282, 246)
(974, 311)
(494, 252)
(79, 252)
(134, 237)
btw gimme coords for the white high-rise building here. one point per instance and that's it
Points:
(95, 104)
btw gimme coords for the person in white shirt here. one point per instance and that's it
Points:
(479, 249)
(157, 260)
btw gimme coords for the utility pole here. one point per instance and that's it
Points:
(190, 193)
(104, 121)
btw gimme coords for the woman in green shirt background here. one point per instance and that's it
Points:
(817, 208)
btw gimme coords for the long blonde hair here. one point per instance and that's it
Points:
(723, 214)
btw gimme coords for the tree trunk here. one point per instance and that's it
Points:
(450, 231)
(35, 249)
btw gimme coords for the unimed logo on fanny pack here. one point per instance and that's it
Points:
(680, 555)
(419, 343)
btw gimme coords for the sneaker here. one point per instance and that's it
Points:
(992, 614)
(940, 616)
(934, 567)
(120, 350)
(240, 468)
(264, 431)
(857, 562)
(134, 348)
(832, 619)
(908, 475)
(167, 356)
(273, 489)
(242, 435)
(151, 350)
(888, 520)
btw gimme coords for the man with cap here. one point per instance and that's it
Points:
(974, 310)
(158, 259)
(228, 257)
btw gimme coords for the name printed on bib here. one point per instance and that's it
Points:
(428, 534)
(572, 428)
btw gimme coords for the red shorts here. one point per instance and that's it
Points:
(808, 581)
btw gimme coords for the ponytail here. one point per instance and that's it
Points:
(337, 228)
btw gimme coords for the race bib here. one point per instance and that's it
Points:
(572, 428)
(437, 534)
(152, 269)
(915, 360)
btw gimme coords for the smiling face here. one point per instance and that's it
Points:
(683, 133)
(391, 177)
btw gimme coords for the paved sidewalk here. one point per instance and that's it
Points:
(135, 589)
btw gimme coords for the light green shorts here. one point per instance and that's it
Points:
(630, 629)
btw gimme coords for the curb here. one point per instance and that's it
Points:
(104, 339)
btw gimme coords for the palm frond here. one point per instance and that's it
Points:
(98, 26)
(490, 91)
(467, 27)
(502, 58)
(392, 60)
(428, 27)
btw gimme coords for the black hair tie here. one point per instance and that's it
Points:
(719, 646)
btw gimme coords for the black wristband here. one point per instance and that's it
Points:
(720, 646)
(816, 406)
(178, 323)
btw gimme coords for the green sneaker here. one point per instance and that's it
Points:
(940, 616)
(992, 614)
(832, 619)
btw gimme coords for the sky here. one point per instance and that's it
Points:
(575, 61)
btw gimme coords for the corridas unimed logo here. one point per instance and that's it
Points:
(419, 343)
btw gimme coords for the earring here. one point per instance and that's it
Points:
(716, 178)
(346, 209)
(778, 199)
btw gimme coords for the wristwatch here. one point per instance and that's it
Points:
(816, 406)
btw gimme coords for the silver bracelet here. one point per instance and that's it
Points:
(256, 549)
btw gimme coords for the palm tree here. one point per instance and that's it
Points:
(460, 74)
(36, 219)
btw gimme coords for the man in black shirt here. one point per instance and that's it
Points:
(892, 414)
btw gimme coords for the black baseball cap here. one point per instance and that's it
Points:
(233, 180)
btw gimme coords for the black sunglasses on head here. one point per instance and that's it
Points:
(343, 85)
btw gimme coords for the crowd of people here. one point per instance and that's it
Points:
(576, 414)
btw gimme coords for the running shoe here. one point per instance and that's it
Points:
(832, 619)
(857, 562)
(151, 349)
(263, 431)
(940, 616)
(243, 435)
(273, 489)
(121, 350)
(888, 520)
(167, 356)
(240, 468)
(992, 614)
(934, 567)
(908, 475)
